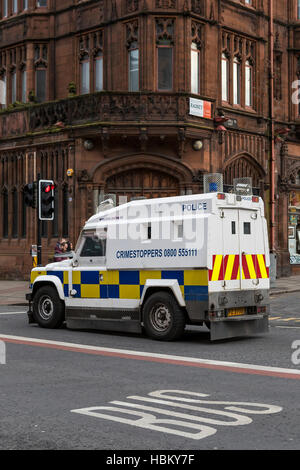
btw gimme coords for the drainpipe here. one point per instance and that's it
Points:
(271, 128)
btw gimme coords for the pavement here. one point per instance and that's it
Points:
(13, 292)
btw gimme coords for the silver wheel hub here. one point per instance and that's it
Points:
(160, 317)
(46, 307)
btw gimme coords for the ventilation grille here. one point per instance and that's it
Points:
(213, 183)
(242, 186)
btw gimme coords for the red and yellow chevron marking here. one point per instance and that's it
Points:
(227, 268)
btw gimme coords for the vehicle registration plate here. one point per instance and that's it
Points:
(232, 312)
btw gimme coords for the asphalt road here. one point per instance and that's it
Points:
(100, 390)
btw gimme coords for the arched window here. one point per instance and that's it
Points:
(248, 84)
(225, 78)
(195, 68)
(13, 83)
(133, 67)
(236, 81)
(98, 71)
(85, 74)
(165, 47)
(133, 55)
(41, 63)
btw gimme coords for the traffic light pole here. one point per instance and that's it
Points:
(39, 238)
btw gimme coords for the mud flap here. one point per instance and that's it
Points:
(238, 327)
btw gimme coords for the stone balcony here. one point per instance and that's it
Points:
(102, 108)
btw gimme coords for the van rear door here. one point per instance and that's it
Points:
(253, 259)
(231, 249)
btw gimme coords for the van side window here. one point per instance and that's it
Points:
(93, 246)
(233, 227)
(247, 228)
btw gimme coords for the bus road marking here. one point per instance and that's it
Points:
(188, 422)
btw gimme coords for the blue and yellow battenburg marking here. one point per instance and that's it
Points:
(129, 284)
(62, 275)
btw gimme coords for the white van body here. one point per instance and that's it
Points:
(156, 263)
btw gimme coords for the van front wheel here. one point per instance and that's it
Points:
(48, 309)
(163, 318)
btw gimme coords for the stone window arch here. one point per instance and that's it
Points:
(244, 166)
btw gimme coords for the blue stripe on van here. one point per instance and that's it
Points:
(179, 275)
(129, 277)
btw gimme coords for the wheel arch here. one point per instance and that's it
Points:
(52, 281)
(169, 285)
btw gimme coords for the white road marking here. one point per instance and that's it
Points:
(191, 422)
(283, 326)
(155, 357)
(12, 313)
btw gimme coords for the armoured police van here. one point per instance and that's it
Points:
(160, 264)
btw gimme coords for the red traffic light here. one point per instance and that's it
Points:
(49, 188)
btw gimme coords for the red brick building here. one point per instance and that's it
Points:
(129, 94)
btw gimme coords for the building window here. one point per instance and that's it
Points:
(225, 78)
(3, 88)
(41, 3)
(15, 214)
(238, 70)
(164, 41)
(133, 56)
(13, 86)
(195, 57)
(5, 214)
(41, 64)
(25, 5)
(248, 84)
(65, 225)
(91, 62)
(195, 69)
(85, 75)
(236, 81)
(98, 64)
(40, 77)
(24, 85)
(15, 6)
(133, 69)
(5, 8)
(24, 220)
(164, 68)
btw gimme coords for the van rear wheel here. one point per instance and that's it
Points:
(163, 318)
(48, 309)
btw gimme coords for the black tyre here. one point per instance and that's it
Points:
(48, 309)
(163, 318)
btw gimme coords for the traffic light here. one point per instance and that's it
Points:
(30, 195)
(46, 199)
